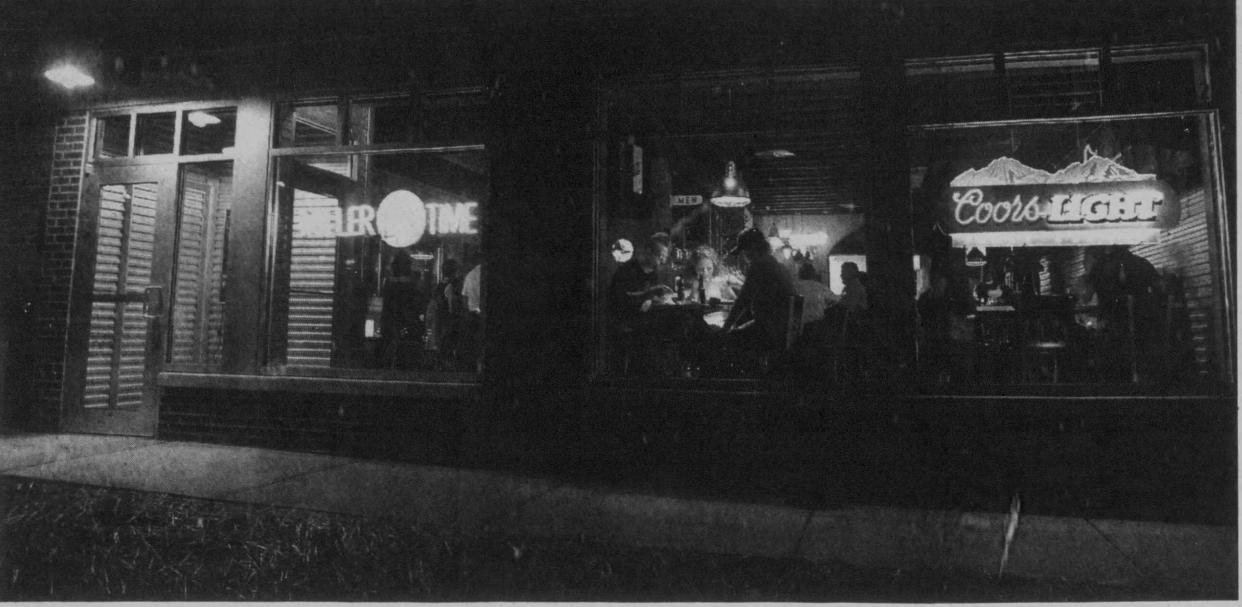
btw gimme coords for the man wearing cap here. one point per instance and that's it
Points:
(760, 314)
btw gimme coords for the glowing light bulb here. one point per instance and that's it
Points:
(69, 76)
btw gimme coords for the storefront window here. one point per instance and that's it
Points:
(734, 240)
(377, 262)
(1070, 252)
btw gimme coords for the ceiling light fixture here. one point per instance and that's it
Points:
(69, 76)
(731, 192)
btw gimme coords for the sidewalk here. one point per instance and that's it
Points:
(1192, 557)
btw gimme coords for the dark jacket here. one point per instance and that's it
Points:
(629, 278)
(765, 298)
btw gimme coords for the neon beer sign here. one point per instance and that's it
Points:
(401, 220)
(1079, 206)
(1095, 194)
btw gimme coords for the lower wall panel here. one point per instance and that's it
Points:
(383, 427)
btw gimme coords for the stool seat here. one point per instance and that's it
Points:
(1041, 352)
(1046, 345)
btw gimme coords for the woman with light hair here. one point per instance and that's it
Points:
(708, 275)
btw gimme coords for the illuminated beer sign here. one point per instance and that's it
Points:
(1098, 200)
(401, 220)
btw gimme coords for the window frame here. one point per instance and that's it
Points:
(179, 111)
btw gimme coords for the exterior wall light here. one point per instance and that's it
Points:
(69, 76)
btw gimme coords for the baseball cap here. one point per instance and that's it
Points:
(749, 238)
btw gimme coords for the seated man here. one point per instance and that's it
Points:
(634, 287)
(636, 282)
(760, 315)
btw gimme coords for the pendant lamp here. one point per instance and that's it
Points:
(731, 192)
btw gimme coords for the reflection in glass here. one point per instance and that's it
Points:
(206, 199)
(208, 131)
(307, 125)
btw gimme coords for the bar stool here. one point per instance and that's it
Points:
(1038, 355)
(1044, 344)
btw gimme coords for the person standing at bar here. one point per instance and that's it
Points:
(854, 293)
(1131, 298)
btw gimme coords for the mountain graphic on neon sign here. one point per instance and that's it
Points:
(1007, 171)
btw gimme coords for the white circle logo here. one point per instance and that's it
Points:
(401, 218)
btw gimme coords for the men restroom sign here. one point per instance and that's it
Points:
(401, 220)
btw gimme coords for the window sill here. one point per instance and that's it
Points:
(464, 386)
(1197, 391)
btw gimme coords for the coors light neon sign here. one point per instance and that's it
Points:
(1095, 194)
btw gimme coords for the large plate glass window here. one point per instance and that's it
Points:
(693, 164)
(1081, 252)
(377, 262)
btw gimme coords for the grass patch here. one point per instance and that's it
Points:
(68, 542)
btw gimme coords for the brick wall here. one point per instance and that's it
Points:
(51, 310)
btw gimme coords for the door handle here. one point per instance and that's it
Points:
(153, 302)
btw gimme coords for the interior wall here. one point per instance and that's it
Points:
(834, 227)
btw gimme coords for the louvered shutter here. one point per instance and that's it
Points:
(312, 284)
(116, 356)
(198, 306)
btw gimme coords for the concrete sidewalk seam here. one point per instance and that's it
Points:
(796, 550)
(1108, 540)
(18, 469)
(225, 495)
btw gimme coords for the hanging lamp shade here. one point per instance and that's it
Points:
(731, 192)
